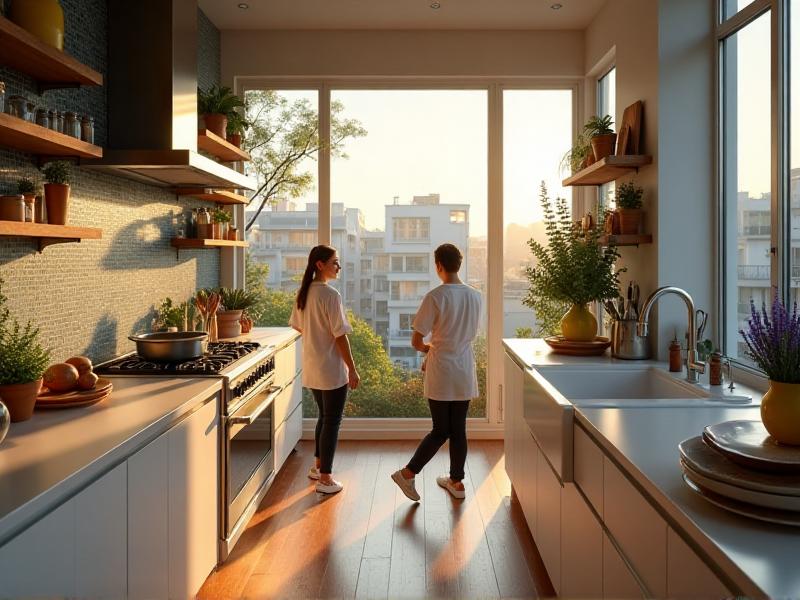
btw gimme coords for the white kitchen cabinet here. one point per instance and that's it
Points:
(193, 500)
(512, 416)
(526, 476)
(289, 399)
(588, 468)
(618, 580)
(687, 575)
(101, 550)
(581, 547)
(287, 435)
(288, 362)
(148, 523)
(548, 520)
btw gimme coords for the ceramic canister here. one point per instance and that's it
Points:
(12, 208)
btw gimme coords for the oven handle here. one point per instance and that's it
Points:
(251, 418)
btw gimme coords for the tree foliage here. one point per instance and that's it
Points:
(282, 136)
(270, 308)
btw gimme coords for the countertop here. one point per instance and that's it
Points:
(759, 557)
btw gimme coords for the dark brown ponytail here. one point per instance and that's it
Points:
(317, 253)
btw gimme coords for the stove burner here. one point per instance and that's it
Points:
(218, 356)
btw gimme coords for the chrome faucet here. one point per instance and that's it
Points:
(693, 366)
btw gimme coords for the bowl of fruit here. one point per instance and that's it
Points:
(72, 383)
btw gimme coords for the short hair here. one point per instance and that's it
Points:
(449, 256)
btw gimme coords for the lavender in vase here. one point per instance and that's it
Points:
(774, 343)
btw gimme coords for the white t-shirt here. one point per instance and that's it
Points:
(451, 314)
(321, 322)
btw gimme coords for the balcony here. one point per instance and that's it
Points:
(401, 333)
(754, 272)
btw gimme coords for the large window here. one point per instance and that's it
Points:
(794, 149)
(411, 229)
(606, 105)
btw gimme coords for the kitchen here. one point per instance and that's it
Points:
(129, 245)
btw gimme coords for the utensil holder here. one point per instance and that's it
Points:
(626, 343)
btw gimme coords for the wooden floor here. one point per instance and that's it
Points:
(370, 541)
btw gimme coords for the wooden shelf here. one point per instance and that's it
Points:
(48, 234)
(625, 240)
(608, 169)
(222, 149)
(51, 67)
(29, 137)
(192, 243)
(210, 195)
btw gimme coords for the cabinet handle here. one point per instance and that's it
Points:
(251, 418)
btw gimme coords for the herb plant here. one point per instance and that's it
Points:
(26, 187)
(58, 171)
(629, 196)
(573, 160)
(598, 126)
(774, 343)
(236, 298)
(573, 268)
(22, 357)
(217, 100)
(220, 215)
(237, 124)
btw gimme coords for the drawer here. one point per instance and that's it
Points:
(638, 529)
(618, 580)
(588, 468)
(687, 575)
(289, 399)
(287, 435)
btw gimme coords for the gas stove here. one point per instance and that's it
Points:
(218, 357)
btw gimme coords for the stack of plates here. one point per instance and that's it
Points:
(101, 391)
(738, 466)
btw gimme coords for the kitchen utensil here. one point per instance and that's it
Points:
(621, 306)
(626, 342)
(749, 444)
(594, 348)
(635, 300)
(701, 318)
(612, 310)
(170, 346)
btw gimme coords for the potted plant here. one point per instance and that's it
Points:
(237, 126)
(578, 157)
(215, 106)
(220, 219)
(629, 207)
(774, 345)
(56, 191)
(22, 364)
(235, 301)
(573, 269)
(601, 136)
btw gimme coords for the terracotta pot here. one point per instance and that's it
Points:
(235, 139)
(579, 324)
(630, 220)
(20, 398)
(205, 231)
(56, 198)
(780, 412)
(232, 234)
(603, 145)
(42, 18)
(216, 124)
(12, 208)
(228, 325)
(246, 323)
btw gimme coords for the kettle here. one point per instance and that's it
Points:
(5, 421)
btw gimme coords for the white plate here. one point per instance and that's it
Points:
(707, 461)
(783, 517)
(735, 492)
(748, 443)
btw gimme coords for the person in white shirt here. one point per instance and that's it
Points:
(328, 367)
(450, 314)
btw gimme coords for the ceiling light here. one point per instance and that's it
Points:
(243, 5)
(555, 6)
(436, 5)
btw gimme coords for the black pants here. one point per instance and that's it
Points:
(326, 435)
(449, 422)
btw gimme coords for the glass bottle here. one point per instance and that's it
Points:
(87, 129)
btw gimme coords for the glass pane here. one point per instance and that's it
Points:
(606, 105)
(746, 173)
(731, 7)
(282, 142)
(794, 148)
(529, 117)
(416, 180)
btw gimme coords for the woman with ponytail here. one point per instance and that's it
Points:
(328, 367)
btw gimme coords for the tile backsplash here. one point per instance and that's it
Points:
(88, 297)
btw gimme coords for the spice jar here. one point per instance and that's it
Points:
(43, 117)
(2, 97)
(675, 360)
(87, 129)
(12, 208)
(30, 204)
(18, 107)
(72, 125)
(715, 369)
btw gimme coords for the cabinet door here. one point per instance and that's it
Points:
(687, 575)
(588, 467)
(287, 435)
(548, 519)
(618, 581)
(193, 500)
(101, 527)
(287, 400)
(148, 540)
(512, 399)
(526, 476)
(581, 547)
(40, 561)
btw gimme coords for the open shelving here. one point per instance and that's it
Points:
(608, 169)
(52, 68)
(198, 244)
(32, 138)
(212, 195)
(48, 234)
(210, 142)
(625, 239)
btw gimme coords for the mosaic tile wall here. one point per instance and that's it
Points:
(88, 297)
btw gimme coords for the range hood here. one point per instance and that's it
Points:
(152, 98)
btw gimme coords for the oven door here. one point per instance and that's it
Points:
(249, 461)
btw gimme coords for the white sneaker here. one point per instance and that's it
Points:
(406, 485)
(329, 488)
(447, 484)
(313, 472)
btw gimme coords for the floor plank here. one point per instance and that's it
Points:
(370, 541)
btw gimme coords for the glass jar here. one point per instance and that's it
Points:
(18, 107)
(2, 97)
(30, 204)
(87, 129)
(72, 125)
(43, 118)
(12, 208)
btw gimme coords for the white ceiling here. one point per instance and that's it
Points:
(401, 14)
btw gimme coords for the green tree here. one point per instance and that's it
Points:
(272, 308)
(282, 136)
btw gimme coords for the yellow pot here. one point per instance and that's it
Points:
(43, 18)
(579, 324)
(780, 412)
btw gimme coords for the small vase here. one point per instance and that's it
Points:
(603, 145)
(216, 124)
(12, 208)
(228, 325)
(20, 398)
(43, 18)
(780, 412)
(56, 199)
(630, 220)
(579, 324)
(246, 323)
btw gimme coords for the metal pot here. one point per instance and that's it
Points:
(170, 346)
